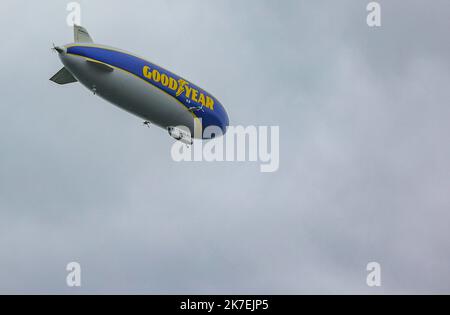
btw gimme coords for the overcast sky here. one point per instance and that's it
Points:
(364, 159)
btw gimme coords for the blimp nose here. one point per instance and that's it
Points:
(60, 50)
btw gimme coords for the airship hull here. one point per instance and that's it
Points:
(131, 94)
(144, 89)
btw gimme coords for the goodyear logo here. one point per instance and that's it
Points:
(179, 87)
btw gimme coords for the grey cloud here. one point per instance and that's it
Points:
(363, 176)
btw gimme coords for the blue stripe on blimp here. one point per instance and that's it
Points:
(188, 94)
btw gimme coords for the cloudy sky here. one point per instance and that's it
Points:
(364, 160)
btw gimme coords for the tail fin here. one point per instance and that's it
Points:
(63, 76)
(81, 35)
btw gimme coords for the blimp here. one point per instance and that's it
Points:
(158, 96)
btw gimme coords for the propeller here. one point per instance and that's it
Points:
(57, 49)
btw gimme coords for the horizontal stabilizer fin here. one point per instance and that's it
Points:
(100, 65)
(81, 35)
(63, 76)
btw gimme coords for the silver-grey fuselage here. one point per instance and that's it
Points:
(131, 93)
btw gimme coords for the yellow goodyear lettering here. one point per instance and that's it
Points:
(201, 99)
(173, 84)
(210, 103)
(188, 91)
(194, 95)
(179, 86)
(146, 72)
(156, 75)
(164, 79)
